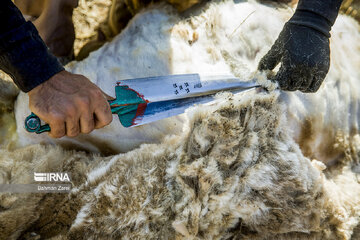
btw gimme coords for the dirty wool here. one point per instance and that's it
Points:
(256, 165)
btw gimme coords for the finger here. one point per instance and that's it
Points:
(57, 126)
(283, 77)
(87, 122)
(72, 127)
(307, 76)
(103, 115)
(301, 78)
(272, 58)
(85, 106)
(316, 83)
(306, 85)
(108, 97)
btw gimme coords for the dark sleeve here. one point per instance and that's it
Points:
(23, 54)
(328, 9)
(319, 15)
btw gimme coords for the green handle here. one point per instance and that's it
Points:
(33, 124)
(125, 106)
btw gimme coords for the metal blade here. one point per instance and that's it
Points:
(164, 88)
(152, 112)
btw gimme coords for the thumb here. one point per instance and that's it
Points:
(272, 58)
(107, 96)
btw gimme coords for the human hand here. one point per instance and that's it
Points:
(71, 104)
(302, 47)
(304, 54)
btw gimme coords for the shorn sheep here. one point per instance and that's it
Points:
(269, 165)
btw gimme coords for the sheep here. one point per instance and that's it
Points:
(253, 166)
(216, 45)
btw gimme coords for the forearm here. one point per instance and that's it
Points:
(23, 54)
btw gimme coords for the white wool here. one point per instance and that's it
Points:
(237, 169)
(100, 170)
(80, 217)
(214, 43)
(345, 208)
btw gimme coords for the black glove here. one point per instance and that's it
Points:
(303, 46)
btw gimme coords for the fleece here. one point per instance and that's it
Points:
(257, 165)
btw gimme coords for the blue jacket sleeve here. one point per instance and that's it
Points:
(23, 54)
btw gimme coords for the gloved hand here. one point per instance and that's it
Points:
(303, 46)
